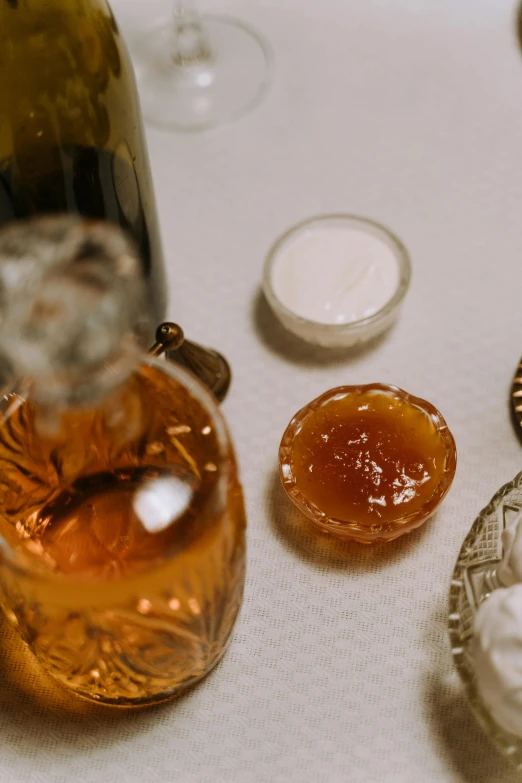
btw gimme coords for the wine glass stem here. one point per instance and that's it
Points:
(189, 41)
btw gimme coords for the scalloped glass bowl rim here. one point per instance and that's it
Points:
(352, 530)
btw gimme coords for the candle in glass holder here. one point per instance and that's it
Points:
(337, 280)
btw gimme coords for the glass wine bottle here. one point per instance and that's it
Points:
(71, 135)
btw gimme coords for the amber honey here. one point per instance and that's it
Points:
(368, 462)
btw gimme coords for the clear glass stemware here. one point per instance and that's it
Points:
(195, 73)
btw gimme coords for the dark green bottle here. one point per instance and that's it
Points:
(71, 135)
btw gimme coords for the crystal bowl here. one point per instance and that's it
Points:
(474, 578)
(347, 529)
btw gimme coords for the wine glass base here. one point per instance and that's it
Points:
(201, 95)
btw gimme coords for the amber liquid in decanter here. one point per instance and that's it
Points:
(131, 522)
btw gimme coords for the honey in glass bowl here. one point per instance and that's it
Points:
(367, 462)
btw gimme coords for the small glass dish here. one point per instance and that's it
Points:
(378, 531)
(474, 578)
(345, 333)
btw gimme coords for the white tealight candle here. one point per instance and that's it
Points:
(335, 275)
(337, 280)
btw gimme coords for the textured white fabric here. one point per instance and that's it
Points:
(408, 112)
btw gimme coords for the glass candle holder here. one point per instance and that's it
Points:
(368, 463)
(122, 535)
(337, 281)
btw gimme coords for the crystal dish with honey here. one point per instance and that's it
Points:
(367, 462)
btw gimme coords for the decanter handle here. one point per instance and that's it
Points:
(208, 365)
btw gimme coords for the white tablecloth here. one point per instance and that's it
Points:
(408, 112)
